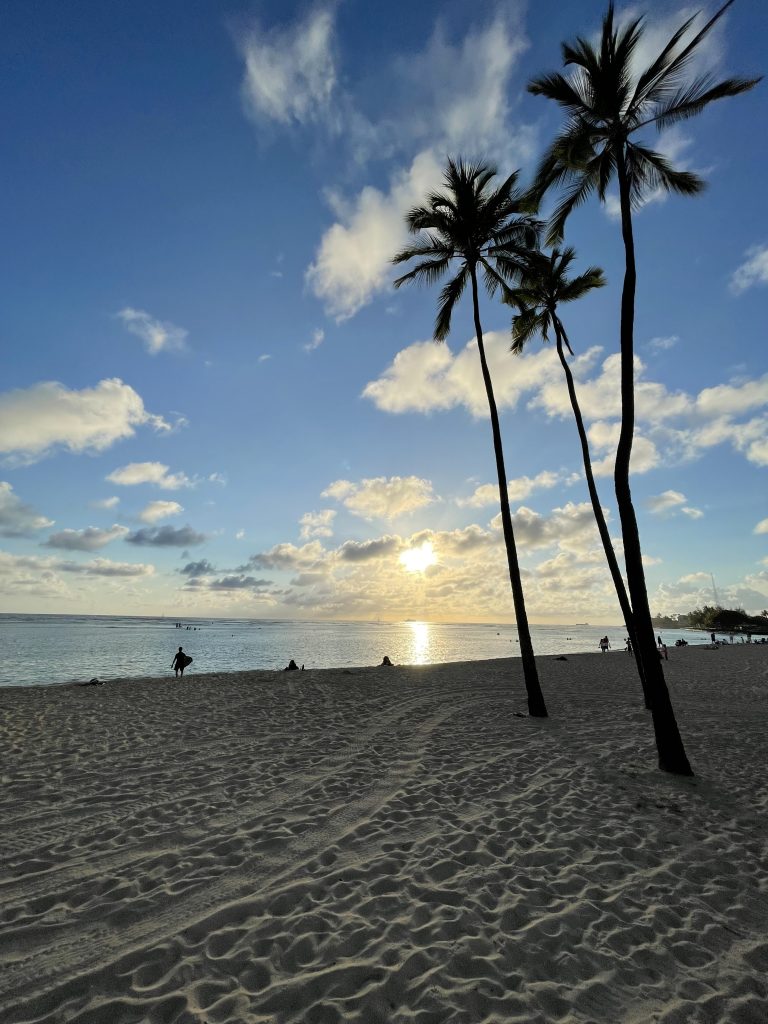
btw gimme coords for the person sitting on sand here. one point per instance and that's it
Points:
(291, 666)
(385, 661)
(179, 662)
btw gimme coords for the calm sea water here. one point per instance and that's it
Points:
(40, 649)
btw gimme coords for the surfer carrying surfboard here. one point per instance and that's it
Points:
(180, 662)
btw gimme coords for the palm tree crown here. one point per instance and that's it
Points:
(474, 224)
(606, 104)
(543, 287)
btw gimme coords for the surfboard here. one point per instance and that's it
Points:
(187, 660)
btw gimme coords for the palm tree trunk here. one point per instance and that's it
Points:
(602, 526)
(536, 705)
(672, 756)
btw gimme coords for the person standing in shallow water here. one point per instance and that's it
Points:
(179, 662)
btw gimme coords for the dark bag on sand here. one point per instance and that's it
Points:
(187, 660)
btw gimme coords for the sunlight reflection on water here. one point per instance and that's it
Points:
(420, 643)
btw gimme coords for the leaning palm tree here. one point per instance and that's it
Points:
(605, 106)
(471, 227)
(544, 286)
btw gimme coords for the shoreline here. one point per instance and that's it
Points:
(166, 674)
(381, 844)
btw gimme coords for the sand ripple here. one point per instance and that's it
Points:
(386, 846)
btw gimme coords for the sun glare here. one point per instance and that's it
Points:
(420, 558)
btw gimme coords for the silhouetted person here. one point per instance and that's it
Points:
(385, 661)
(658, 641)
(712, 637)
(179, 662)
(291, 666)
(629, 645)
(605, 643)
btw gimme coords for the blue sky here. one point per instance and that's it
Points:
(213, 401)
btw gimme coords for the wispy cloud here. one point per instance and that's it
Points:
(518, 489)
(662, 344)
(157, 335)
(157, 510)
(753, 271)
(318, 337)
(290, 72)
(149, 473)
(37, 420)
(167, 537)
(16, 518)
(89, 539)
(671, 502)
(112, 502)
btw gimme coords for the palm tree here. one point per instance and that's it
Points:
(605, 106)
(470, 227)
(544, 285)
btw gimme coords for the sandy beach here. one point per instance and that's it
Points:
(387, 845)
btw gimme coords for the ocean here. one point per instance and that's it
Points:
(44, 649)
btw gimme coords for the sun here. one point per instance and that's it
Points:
(419, 559)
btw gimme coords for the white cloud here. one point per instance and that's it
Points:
(665, 502)
(89, 539)
(263, 357)
(352, 262)
(518, 489)
(661, 344)
(16, 518)
(26, 575)
(318, 337)
(754, 270)
(157, 510)
(317, 524)
(240, 535)
(157, 335)
(290, 73)
(426, 376)
(112, 502)
(762, 527)
(692, 513)
(382, 497)
(46, 416)
(149, 473)
(602, 436)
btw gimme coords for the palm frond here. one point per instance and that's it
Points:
(428, 272)
(578, 287)
(449, 296)
(675, 66)
(648, 171)
(691, 100)
(526, 325)
(573, 197)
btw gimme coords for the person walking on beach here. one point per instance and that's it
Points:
(605, 644)
(179, 662)
(628, 642)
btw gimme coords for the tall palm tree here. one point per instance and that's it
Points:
(544, 286)
(471, 227)
(605, 106)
